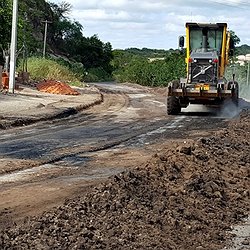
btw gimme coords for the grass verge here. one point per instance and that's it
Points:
(41, 68)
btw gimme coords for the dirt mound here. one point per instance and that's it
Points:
(186, 197)
(55, 87)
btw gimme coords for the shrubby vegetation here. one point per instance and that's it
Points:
(138, 68)
(76, 68)
(41, 68)
(240, 72)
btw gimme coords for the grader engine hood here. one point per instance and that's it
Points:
(203, 67)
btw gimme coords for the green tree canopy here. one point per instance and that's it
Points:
(5, 26)
(234, 40)
(64, 36)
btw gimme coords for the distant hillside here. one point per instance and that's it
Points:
(243, 49)
(147, 53)
(160, 53)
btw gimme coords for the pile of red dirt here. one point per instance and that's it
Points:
(56, 87)
(186, 197)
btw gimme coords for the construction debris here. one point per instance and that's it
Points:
(5, 80)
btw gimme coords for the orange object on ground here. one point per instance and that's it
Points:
(56, 87)
(5, 80)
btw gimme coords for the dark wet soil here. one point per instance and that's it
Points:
(186, 197)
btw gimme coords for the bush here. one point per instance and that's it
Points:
(240, 72)
(76, 68)
(41, 68)
(157, 73)
(97, 75)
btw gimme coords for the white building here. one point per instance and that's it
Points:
(243, 58)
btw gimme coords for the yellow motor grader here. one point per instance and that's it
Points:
(207, 51)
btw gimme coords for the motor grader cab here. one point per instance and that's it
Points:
(207, 51)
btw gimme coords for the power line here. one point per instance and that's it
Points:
(232, 4)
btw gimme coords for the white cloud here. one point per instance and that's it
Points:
(102, 15)
(156, 23)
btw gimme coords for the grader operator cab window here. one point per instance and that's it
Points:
(208, 38)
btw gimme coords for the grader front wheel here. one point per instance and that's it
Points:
(234, 86)
(173, 105)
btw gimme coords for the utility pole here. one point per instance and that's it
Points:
(45, 36)
(13, 46)
(248, 63)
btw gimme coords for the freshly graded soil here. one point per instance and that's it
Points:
(188, 196)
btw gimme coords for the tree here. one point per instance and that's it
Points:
(61, 10)
(61, 25)
(5, 21)
(234, 40)
(5, 26)
(64, 36)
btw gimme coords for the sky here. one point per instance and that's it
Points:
(155, 24)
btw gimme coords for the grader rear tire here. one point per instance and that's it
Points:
(235, 92)
(173, 105)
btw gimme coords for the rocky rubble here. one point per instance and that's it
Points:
(186, 197)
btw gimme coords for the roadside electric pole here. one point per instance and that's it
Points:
(248, 62)
(13, 46)
(45, 36)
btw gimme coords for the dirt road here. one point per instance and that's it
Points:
(46, 163)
